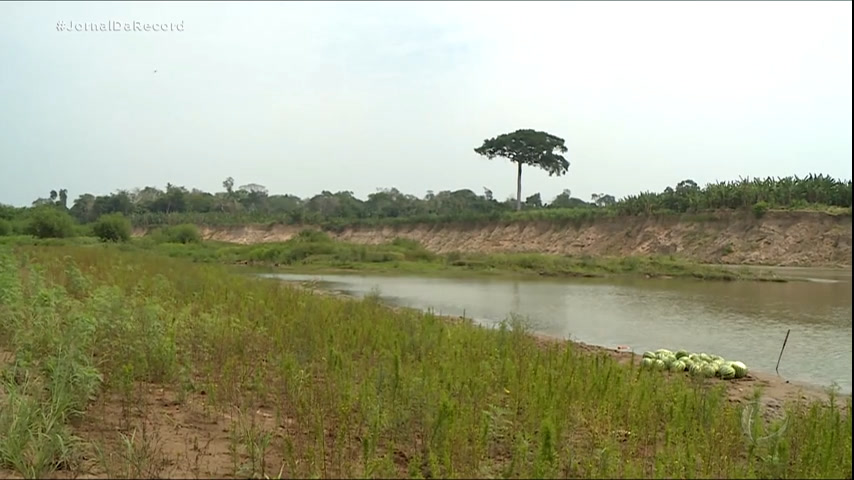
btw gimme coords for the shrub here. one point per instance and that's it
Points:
(50, 222)
(5, 228)
(760, 208)
(112, 228)
(312, 236)
(186, 233)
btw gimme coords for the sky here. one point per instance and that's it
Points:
(305, 97)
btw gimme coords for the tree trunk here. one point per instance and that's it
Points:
(519, 188)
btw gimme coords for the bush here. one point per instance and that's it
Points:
(50, 222)
(5, 228)
(312, 236)
(186, 233)
(759, 209)
(112, 228)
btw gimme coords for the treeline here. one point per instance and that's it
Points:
(252, 203)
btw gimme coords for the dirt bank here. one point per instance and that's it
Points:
(779, 238)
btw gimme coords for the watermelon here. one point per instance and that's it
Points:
(740, 369)
(727, 372)
(709, 370)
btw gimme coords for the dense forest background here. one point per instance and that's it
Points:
(252, 203)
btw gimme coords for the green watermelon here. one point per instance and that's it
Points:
(677, 366)
(727, 372)
(740, 369)
(709, 370)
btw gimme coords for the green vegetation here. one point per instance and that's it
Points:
(47, 222)
(347, 388)
(527, 147)
(112, 227)
(252, 203)
(183, 234)
(315, 251)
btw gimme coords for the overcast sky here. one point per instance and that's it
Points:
(305, 97)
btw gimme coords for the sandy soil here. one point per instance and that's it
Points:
(779, 238)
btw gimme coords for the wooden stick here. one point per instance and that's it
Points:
(781, 351)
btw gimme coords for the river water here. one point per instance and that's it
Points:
(744, 321)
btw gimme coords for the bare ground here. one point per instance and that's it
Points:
(779, 238)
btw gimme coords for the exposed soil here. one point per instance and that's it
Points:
(779, 238)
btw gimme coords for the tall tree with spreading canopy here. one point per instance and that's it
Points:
(527, 147)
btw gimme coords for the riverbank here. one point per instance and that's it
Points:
(776, 391)
(777, 238)
(311, 251)
(188, 370)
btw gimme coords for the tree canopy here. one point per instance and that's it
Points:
(527, 147)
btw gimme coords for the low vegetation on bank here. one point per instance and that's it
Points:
(313, 251)
(122, 362)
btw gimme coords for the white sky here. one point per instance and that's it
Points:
(304, 97)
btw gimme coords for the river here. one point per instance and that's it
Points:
(744, 321)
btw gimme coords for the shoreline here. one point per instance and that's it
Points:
(776, 391)
(715, 273)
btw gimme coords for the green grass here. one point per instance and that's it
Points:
(371, 392)
(313, 251)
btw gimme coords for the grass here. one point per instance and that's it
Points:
(313, 252)
(351, 388)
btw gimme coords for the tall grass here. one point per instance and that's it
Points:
(370, 392)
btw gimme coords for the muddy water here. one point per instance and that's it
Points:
(744, 321)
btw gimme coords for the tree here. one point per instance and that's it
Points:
(63, 198)
(527, 147)
(253, 196)
(83, 207)
(534, 201)
(602, 200)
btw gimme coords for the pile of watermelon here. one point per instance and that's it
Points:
(699, 364)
